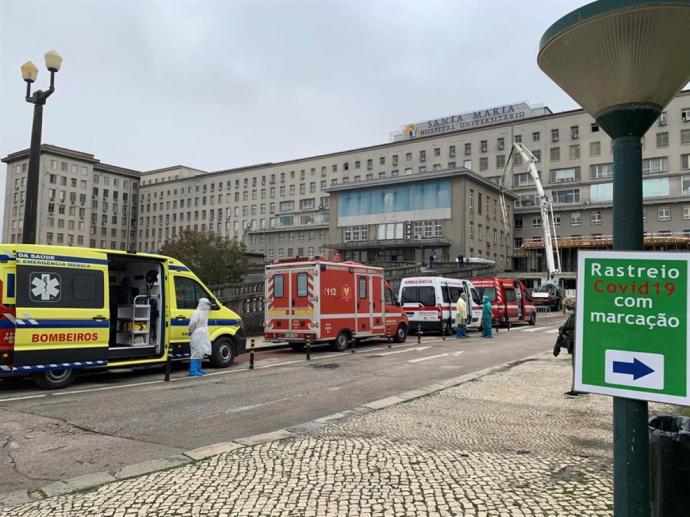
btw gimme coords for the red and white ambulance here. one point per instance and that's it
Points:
(430, 301)
(509, 301)
(330, 302)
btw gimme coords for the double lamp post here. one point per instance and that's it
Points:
(53, 61)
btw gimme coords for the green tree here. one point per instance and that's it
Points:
(213, 258)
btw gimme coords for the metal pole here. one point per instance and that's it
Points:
(251, 354)
(168, 367)
(631, 496)
(308, 347)
(32, 182)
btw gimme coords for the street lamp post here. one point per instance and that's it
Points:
(53, 61)
(623, 61)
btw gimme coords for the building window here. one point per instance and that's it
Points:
(595, 148)
(537, 154)
(356, 233)
(483, 146)
(390, 231)
(563, 197)
(408, 157)
(664, 213)
(517, 223)
(555, 154)
(663, 120)
(555, 136)
(451, 151)
(536, 136)
(575, 152)
(500, 161)
(685, 114)
(565, 175)
(468, 149)
(437, 151)
(655, 165)
(596, 217)
(595, 127)
(422, 156)
(601, 170)
(395, 160)
(370, 164)
(536, 222)
(382, 160)
(662, 139)
(686, 211)
(427, 229)
(483, 163)
(575, 219)
(686, 185)
(685, 136)
(501, 143)
(685, 161)
(574, 132)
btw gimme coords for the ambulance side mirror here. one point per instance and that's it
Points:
(215, 307)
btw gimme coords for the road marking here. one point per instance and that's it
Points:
(419, 360)
(552, 331)
(25, 397)
(419, 349)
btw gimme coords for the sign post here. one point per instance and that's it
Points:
(632, 329)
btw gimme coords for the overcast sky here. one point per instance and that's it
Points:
(219, 84)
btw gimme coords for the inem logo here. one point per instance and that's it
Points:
(410, 130)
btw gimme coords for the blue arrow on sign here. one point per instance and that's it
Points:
(637, 368)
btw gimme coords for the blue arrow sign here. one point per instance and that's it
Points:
(637, 368)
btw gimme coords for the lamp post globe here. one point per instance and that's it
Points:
(53, 60)
(29, 72)
(623, 61)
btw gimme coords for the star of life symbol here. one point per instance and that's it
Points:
(45, 287)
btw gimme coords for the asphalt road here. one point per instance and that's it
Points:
(109, 420)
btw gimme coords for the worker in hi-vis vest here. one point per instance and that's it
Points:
(460, 318)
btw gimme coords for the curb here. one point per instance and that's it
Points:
(92, 481)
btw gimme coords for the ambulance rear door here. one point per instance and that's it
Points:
(378, 305)
(277, 300)
(303, 294)
(62, 310)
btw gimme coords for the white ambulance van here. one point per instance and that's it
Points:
(430, 301)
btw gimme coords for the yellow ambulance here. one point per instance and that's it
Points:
(65, 309)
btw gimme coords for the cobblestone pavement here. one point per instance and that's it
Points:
(508, 444)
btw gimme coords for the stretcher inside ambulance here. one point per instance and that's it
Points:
(430, 303)
(66, 309)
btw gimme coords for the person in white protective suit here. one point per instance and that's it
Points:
(200, 342)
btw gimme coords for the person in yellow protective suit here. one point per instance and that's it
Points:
(460, 318)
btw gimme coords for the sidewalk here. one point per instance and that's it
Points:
(507, 444)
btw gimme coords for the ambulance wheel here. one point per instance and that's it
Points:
(400, 334)
(222, 352)
(342, 341)
(297, 347)
(55, 379)
(533, 319)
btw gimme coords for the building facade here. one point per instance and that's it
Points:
(284, 209)
(82, 202)
(439, 215)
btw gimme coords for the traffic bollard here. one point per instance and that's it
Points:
(168, 367)
(251, 354)
(353, 344)
(419, 333)
(389, 338)
(443, 331)
(308, 348)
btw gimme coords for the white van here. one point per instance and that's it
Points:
(430, 301)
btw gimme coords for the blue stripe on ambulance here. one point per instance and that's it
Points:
(10, 285)
(213, 322)
(6, 258)
(12, 370)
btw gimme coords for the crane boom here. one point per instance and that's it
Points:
(553, 266)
